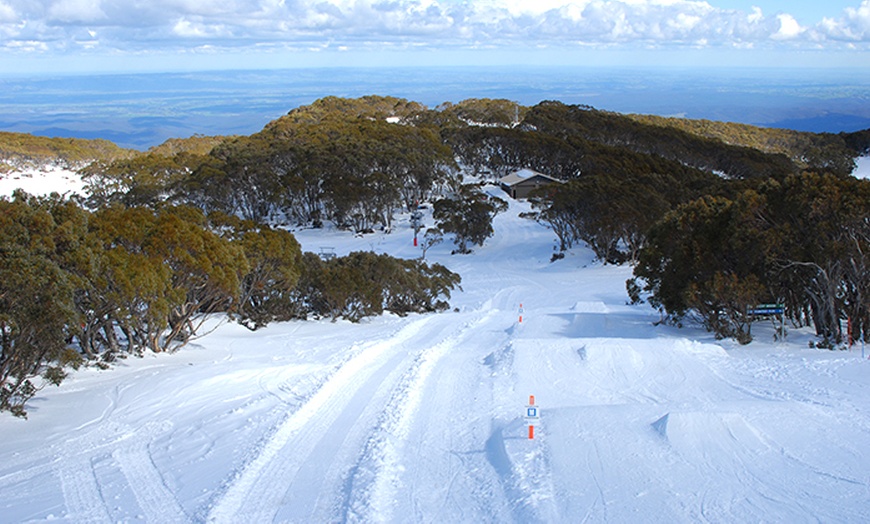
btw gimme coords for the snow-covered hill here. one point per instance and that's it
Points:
(421, 419)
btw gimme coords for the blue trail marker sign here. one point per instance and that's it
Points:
(766, 310)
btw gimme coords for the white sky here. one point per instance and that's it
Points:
(123, 35)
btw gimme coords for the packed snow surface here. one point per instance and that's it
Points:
(421, 419)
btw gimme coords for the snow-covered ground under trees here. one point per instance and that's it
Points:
(421, 419)
(42, 181)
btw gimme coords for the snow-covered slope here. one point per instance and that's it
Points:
(42, 181)
(421, 419)
(862, 167)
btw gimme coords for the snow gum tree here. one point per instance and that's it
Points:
(822, 257)
(802, 241)
(275, 265)
(36, 300)
(468, 214)
(363, 284)
(206, 271)
(704, 257)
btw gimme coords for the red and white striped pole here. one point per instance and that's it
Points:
(521, 315)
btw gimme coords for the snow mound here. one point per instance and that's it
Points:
(590, 307)
(699, 434)
(699, 348)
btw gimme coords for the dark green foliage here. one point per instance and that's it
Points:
(486, 111)
(145, 180)
(371, 107)
(500, 151)
(155, 277)
(610, 213)
(803, 242)
(119, 281)
(858, 142)
(78, 285)
(268, 289)
(23, 149)
(706, 256)
(669, 143)
(36, 300)
(195, 145)
(206, 269)
(364, 284)
(468, 214)
(319, 163)
(821, 258)
(811, 151)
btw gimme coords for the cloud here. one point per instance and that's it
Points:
(7, 14)
(789, 28)
(28, 46)
(66, 11)
(853, 26)
(193, 29)
(165, 25)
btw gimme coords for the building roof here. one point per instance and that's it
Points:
(524, 174)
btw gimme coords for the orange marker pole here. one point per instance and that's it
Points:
(521, 313)
(531, 423)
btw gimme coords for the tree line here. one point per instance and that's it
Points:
(21, 150)
(803, 241)
(92, 286)
(167, 237)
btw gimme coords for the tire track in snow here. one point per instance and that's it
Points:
(46, 460)
(155, 499)
(382, 461)
(81, 492)
(70, 462)
(257, 491)
(333, 492)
